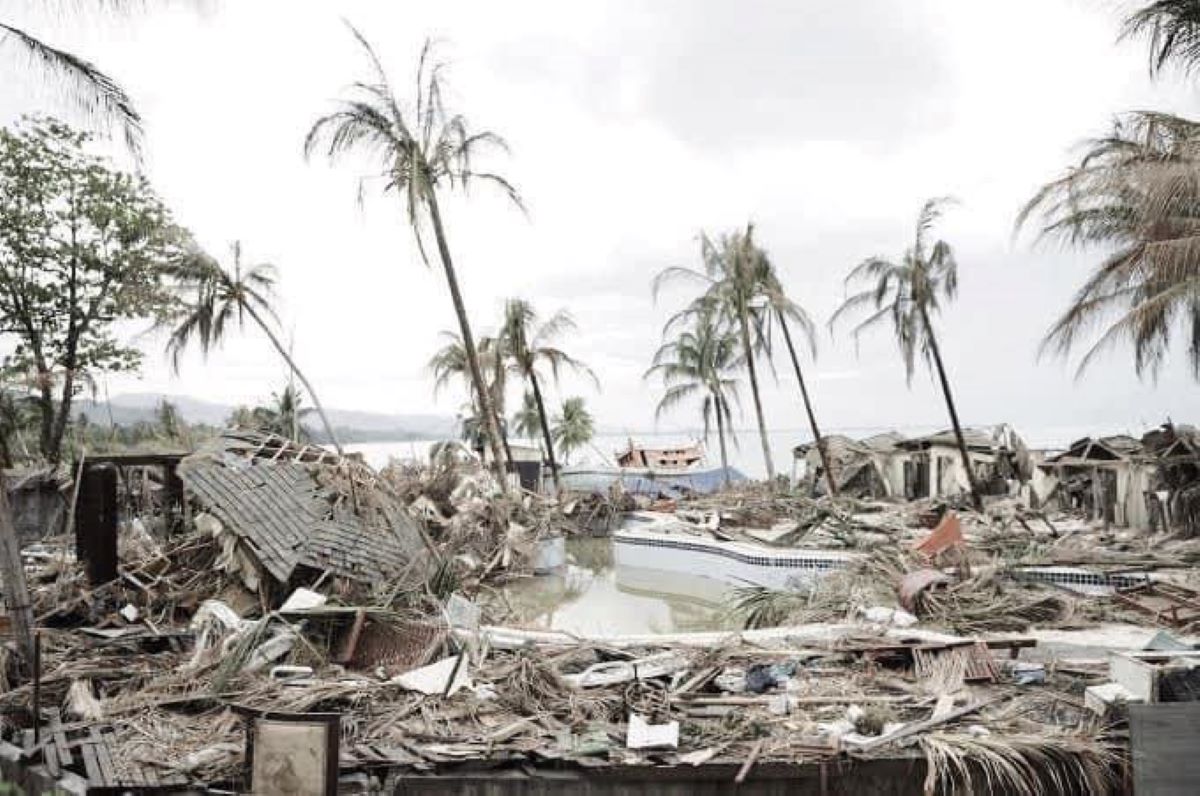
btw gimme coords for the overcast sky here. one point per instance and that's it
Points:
(633, 126)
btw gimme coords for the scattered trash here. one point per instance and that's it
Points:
(445, 677)
(302, 600)
(643, 735)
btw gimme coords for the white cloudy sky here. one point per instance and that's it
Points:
(634, 125)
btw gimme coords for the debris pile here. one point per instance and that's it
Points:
(308, 586)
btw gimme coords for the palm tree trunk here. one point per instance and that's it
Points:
(546, 438)
(976, 499)
(812, 418)
(283, 352)
(758, 410)
(721, 438)
(490, 422)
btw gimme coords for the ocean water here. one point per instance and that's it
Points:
(745, 452)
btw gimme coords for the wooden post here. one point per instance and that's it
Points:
(96, 523)
(16, 593)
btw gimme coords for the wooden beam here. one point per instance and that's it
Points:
(16, 591)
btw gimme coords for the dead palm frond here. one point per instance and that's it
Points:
(1028, 764)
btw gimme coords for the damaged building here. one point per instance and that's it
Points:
(890, 465)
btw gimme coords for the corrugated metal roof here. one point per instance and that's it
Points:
(286, 518)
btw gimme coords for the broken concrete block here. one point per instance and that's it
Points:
(1102, 698)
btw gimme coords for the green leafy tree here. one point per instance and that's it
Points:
(701, 361)
(216, 298)
(83, 248)
(1134, 196)
(528, 343)
(734, 274)
(419, 154)
(574, 427)
(908, 294)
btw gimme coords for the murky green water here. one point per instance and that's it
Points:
(595, 596)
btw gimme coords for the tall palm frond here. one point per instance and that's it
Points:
(1173, 28)
(1134, 193)
(574, 427)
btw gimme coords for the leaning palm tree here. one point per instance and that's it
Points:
(528, 345)
(733, 274)
(908, 294)
(574, 427)
(450, 363)
(418, 151)
(1135, 195)
(214, 298)
(783, 311)
(1173, 27)
(701, 361)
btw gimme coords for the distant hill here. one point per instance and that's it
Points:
(352, 425)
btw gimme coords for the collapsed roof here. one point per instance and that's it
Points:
(298, 506)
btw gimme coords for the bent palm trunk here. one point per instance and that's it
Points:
(546, 438)
(721, 439)
(976, 499)
(758, 410)
(812, 418)
(485, 404)
(303, 379)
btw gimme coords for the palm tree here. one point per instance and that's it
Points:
(781, 309)
(733, 275)
(527, 343)
(700, 361)
(1173, 27)
(1135, 194)
(527, 421)
(287, 412)
(574, 428)
(214, 298)
(93, 92)
(417, 154)
(908, 293)
(450, 362)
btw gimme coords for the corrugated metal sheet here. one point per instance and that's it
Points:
(286, 520)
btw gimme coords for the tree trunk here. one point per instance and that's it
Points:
(300, 375)
(976, 499)
(812, 418)
(546, 438)
(721, 438)
(758, 410)
(64, 415)
(490, 423)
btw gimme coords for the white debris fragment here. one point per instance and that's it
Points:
(446, 676)
(643, 735)
(302, 599)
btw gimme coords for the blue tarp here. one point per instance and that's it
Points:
(648, 482)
